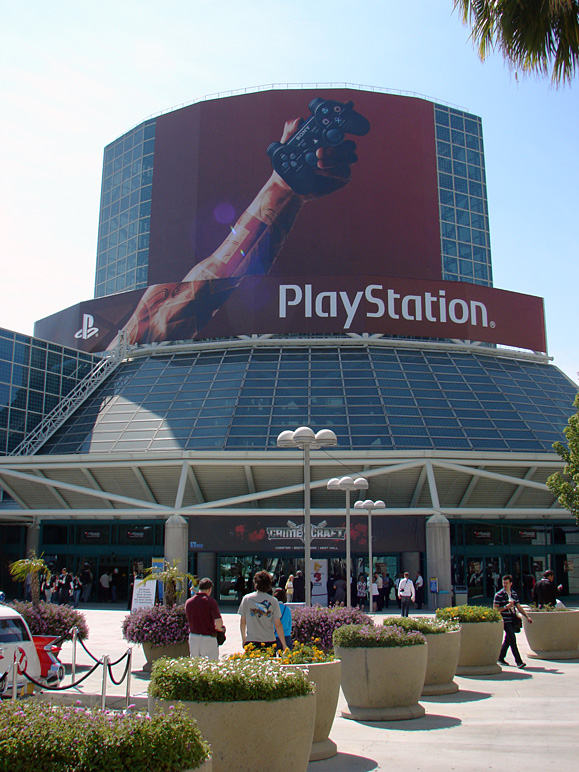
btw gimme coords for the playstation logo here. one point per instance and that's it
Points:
(87, 330)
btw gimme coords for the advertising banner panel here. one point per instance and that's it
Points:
(275, 535)
(282, 305)
(298, 212)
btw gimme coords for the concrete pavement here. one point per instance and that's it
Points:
(519, 719)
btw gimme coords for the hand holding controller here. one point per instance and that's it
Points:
(301, 160)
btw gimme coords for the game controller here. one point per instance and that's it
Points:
(296, 161)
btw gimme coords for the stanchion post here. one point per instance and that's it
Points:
(104, 687)
(14, 678)
(129, 667)
(74, 636)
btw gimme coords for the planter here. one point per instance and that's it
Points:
(326, 676)
(153, 653)
(443, 653)
(236, 732)
(383, 684)
(553, 634)
(480, 646)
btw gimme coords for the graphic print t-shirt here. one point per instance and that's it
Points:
(260, 610)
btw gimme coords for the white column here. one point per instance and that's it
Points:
(438, 556)
(177, 544)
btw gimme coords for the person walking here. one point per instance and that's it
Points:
(507, 602)
(386, 589)
(204, 620)
(419, 589)
(286, 618)
(289, 588)
(406, 593)
(545, 592)
(362, 591)
(260, 615)
(299, 588)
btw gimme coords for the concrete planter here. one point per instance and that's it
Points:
(443, 653)
(236, 732)
(153, 653)
(553, 634)
(383, 684)
(326, 676)
(480, 646)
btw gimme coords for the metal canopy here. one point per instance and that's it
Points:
(135, 486)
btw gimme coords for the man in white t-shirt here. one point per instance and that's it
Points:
(406, 593)
(260, 615)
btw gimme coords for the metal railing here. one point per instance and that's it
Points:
(104, 662)
(68, 404)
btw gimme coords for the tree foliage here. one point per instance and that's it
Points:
(174, 581)
(534, 36)
(32, 567)
(565, 486)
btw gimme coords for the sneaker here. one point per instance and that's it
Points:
(503, 662)
(521, 665)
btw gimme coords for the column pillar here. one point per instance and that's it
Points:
(438, 556)
(33, 539)
(177, 545)
(410, 561)
(207, 566)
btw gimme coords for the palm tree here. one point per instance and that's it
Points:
(532, 35)
(173, 580)
(32, 567)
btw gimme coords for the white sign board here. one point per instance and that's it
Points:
(319, 575)
(143, 595)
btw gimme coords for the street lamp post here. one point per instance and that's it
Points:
(348, 484)
(370, 506)
(305, 438)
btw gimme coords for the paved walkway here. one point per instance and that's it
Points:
(517, 720)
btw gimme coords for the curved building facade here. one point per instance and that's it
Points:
(301, 257)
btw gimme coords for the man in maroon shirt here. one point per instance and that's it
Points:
(204, 620)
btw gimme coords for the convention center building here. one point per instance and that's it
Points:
(275, 259)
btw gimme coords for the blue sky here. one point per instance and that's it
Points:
(74, 76)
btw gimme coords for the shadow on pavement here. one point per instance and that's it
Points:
(343, 762)
(513, 675)
(464, 695)
(425, 724)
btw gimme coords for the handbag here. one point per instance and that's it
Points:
(220, 635)
(517, 623)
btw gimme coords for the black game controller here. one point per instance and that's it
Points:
(296, 161)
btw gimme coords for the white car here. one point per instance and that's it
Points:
(15, 640)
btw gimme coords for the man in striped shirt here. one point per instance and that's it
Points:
(507, 602)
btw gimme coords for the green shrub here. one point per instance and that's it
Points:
(368, 636)
(51, 619)
(465, 614)
(424, 625)
(204, 680)
(548, 609)
(37, 736)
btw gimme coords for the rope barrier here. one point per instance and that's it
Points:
(110, 669)
(92, 656)
(62, 688)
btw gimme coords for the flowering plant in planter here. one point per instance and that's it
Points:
(424, 625)
(300, 654)
(50, 619)
(317, 622)
(369, 636)
(157, 626)
(469, 614)
(37, 735)
(228, 680)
